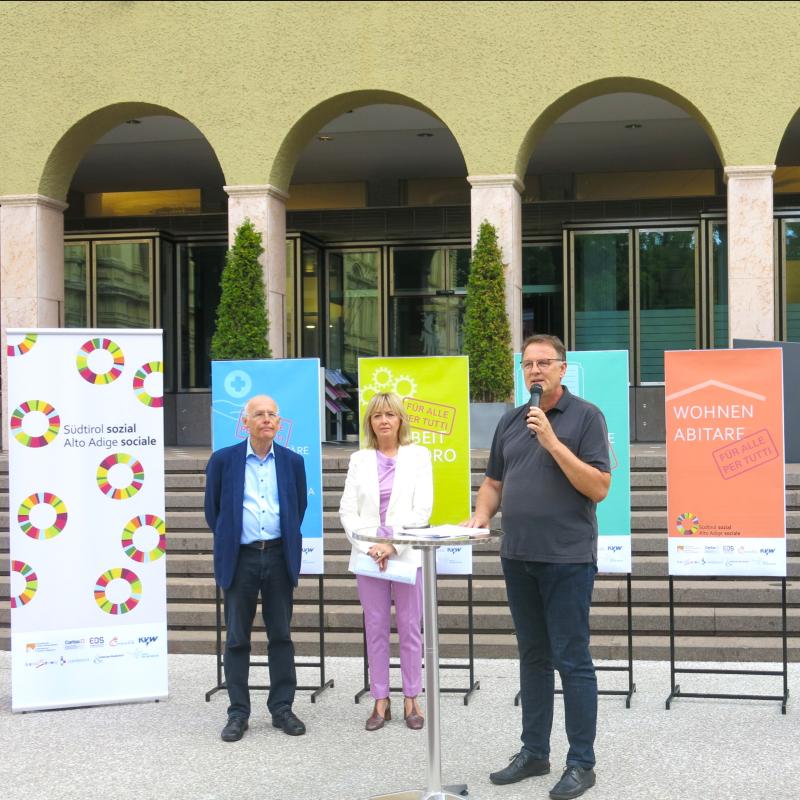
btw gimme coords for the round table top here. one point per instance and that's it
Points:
(436, 536)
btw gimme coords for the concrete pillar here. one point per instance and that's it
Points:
(31, 267)
(265, 206)
(497, 199)
(751, 256)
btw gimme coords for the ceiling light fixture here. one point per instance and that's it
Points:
(425, 135)
(133, 122)
(633, 126)
(325, 138)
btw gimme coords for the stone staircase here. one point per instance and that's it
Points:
(713, 614)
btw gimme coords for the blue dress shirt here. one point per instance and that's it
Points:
(260, 514)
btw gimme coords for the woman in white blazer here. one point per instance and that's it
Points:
(389, 482)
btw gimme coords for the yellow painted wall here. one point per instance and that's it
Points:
(259, 79)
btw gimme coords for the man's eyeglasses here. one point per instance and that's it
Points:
(262, 414)
(541, 364)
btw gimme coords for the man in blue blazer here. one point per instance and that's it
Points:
(255, 501)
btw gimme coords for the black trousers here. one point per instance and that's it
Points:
(260, 572)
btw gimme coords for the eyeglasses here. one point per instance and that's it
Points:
(262, 414)
(540, 364)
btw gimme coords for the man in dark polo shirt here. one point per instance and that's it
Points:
(547, 470)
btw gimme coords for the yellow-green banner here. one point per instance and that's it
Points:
(435, 393)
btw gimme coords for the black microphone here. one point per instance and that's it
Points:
(536, 399)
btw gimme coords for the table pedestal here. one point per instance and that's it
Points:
(435, 791)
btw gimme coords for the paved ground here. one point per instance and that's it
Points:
(700, 750)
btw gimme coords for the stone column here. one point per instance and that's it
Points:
(31, 267)
(497, 199)
(751, 257)
(265, 206)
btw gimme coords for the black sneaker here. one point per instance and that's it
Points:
(523, 765)
(574, 782)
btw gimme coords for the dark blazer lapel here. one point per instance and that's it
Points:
(282, 476)
(237, 476)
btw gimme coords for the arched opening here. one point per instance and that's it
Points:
(624, 241)
(144, 235)
(378, 229)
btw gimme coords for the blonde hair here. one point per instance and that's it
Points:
(378, 402)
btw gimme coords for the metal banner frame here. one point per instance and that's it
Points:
(315, 690)
(626, 693)
(473, 684)
(675, 689)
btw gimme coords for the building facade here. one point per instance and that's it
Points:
(640, 161)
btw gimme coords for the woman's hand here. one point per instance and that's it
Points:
(380, 553)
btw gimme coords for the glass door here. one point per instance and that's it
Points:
(791, 279)
(353, 307)
(76, 284)
(601, 290)
(426, 300)
(667, 294)
(123, 284)
(543, 289)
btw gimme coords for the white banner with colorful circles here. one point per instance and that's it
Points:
(86, 517)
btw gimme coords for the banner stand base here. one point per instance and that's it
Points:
(316, 690)
(626, 693)
(783, 672)
(472, 686)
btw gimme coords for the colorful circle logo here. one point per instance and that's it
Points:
(21, 417)
(23, 347)
(150, 368)
(120, 492)
(31, 584)
(688, 524)
(134, 585)
(133, 527)
(100, 346)
(35, 500)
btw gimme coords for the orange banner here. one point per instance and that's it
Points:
(725, 465)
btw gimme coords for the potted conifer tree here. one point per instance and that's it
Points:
(487, 338)
(242, 322)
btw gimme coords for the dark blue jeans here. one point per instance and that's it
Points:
(261, 571)
(550, 608)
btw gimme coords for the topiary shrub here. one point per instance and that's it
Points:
(242, 322)
(487, 337)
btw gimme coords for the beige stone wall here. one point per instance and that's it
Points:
(260, 79)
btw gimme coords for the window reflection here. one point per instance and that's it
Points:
(122, 284)
(667, 308)
(792, 242)
(352, 308)
(76, 310)
(201, 268)
(426, 307)
(602, 297)
(543, 289)
(719, 273)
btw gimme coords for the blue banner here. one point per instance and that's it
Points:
(294, 385)
(601, 377)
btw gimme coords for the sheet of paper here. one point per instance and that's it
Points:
(446, 532)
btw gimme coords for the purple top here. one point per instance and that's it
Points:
(385, 482)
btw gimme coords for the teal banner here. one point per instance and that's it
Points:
(601, 377)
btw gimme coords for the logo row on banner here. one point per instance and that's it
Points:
(87, 530)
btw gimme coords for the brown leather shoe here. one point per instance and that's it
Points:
(375, 721)
(413, 718)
